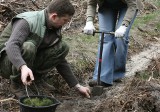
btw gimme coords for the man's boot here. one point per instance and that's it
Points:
(18, 89)
(16, 86)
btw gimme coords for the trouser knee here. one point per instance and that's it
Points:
(29, 53)
(28, 49)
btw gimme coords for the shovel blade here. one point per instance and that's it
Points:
(97, 90)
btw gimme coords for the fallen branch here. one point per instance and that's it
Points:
(136, 42)
(35, 4)
(16, 3)
(8, 99)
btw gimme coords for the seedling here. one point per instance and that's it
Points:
(37, 102)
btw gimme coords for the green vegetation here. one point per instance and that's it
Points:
(157, 3)
(146, 74)
(158, 25)
(37, 102)
(145, 19)
(143, 75)
(146, 26)
(81, 39)
(83, 49)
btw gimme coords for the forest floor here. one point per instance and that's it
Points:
(139, 91)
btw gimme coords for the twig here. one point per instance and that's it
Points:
(34, 3)
(151, 77)
(8, 99)
(17, 3)
(137, 42)
(123, 106)
(2, 23)
(157, 65)
(69, 24)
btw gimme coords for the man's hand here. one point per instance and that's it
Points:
(83, 90)
(26, 75)
(89, 28)
(120, 31)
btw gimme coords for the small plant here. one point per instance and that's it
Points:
(38, 102)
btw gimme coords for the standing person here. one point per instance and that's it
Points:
(31, 45)
(114, 16)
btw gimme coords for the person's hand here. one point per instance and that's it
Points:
(120, 31)
(83, 90)
(26, 75)
(89, 28)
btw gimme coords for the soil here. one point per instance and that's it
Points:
(139, 91)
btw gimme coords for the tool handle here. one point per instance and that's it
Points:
(100, 54)
(111, 33)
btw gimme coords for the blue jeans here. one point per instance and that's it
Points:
(114, 49)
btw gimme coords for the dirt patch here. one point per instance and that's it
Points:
(138, 92)
(138, 96)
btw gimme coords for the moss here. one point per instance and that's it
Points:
(37, 102)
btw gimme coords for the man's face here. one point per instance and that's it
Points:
(58, 22)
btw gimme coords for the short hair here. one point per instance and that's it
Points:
(61, 7)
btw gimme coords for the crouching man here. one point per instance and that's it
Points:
(31, 45)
